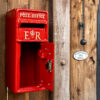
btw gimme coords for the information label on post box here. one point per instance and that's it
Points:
(35, 15)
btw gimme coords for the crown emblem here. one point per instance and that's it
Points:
(32, 33)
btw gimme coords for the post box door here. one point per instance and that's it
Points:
(46, 54)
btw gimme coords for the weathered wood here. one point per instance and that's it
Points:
(83, 73)
(20, 96)
(61, 20)
(41, 95)
(18, 4)
(98, 53)
(3, 9)
(38, 5)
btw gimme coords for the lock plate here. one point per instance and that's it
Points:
(49, 66)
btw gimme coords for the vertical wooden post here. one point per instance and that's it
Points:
(3, 9)
(83, 73)
(18, 4)
(61, 20)
(38, 5)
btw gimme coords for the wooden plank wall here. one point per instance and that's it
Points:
(61, 20)
(83, 73)
(3, 9)
(74, 80)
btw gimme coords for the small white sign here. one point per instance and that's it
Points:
(80, 55)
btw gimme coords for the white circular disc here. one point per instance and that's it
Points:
(80, 55)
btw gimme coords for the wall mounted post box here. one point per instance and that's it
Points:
(29, 55)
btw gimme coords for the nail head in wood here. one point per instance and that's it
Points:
(63, 62)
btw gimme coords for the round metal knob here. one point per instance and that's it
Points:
(83, 42)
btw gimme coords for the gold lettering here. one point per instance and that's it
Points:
(26, 35)
(38, 36)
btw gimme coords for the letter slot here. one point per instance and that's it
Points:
(29, 55)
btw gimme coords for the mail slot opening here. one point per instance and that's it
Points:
(32, 25)
(29, 68)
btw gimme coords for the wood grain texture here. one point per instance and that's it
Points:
(83, 73)
(11, 5)
(39, 5)
(61, 20)
(3, 9)
(17, 4)
(18, 96)
(41, 95)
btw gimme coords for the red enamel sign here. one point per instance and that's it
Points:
(29, 56)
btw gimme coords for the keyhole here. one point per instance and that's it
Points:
(49, 66)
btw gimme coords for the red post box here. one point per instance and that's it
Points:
(29, 56)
